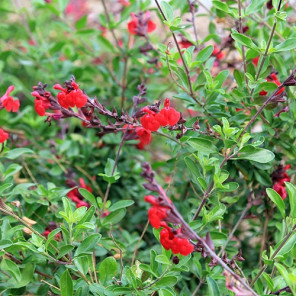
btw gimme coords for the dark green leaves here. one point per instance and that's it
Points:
(66, 284)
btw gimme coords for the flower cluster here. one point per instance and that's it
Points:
(71, 96)
(272, 78)
(170, 238)
(74, 194)
(141, 24)
(167, 116)
(279, 177)
(8, 102)
(42, 103)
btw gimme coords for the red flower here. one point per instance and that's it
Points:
(217, 53)
(279, 177)
(41, 103)
(156, 215)
(184, 43)
(144, 137)
(149, 120)
(141, 24)
(8, 102)
(168, 115)
(280, 189)
(255, 61)
(71, 96)
(272, 78)
(178, 245)
(75, 196)
(3, 136)
(124, 2)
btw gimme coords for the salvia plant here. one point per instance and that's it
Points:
(147, 147)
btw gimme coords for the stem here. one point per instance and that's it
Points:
(109, 22)
(137, 245)
(120, 252)
(267, 47)
(157, 280)
(243, 214)
(201, 282)
(273, 255)
(208, 191)
(243, 48)
(193, 22)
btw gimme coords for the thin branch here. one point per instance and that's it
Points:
(109, 24)
(120, 252)
(274, 255)
(243, 214)
(243, 48)
(138, 243)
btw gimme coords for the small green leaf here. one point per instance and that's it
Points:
(275, 197)
(88, 244)
(12, 268)
(120, 205)
(167, 281)
(213, 287)
(66, 284)
(260, 155)
(88, 196)
(167, 10)
(291, 189)
(205, 53)
(107, 270)
(202, 145)
(244, 40)
(65, 250)
(16, 153)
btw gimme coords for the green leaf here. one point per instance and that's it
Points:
(202, 145)
(16, 153)
(65, 250)
(213, 287)
(5, 243)
(291, 189)
(244, 40)
(288, 246)
(114, 217)
(12, 268)
(88, 196)
(88, 244)
(166, 281)
(221, 6)
(82, 264)
(11, 170)
(81, 23)
(260, 155)
(107, 270)
(167, 10)
(163, 259)
(254, 6)
(205, 53)
(66, 284)
(120, 205)
(275, 197)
